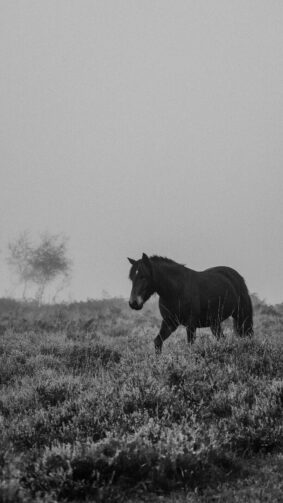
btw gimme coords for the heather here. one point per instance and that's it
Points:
(87, 413)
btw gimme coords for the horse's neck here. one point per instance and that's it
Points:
(165, 280)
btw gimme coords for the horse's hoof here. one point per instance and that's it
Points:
(157, 350)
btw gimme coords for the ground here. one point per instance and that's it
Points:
(87, 413)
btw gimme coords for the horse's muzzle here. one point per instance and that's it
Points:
(135, 305)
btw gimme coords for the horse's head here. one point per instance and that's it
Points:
(141, 276)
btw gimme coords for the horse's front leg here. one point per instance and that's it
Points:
(191, 334)
(164, 332)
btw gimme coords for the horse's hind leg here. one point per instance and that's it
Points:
(243, 328)
(164, 332)
(216, 329)
(191, 334)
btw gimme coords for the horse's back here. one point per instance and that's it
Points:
(227, 273)
(222, 269)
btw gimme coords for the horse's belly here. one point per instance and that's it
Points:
(214, 313)
(208, 322)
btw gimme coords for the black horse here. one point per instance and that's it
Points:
(190, 298)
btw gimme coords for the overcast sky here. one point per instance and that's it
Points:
(144, 126)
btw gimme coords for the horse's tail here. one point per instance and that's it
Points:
(244, 319)
(243, 313)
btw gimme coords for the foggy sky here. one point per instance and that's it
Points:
(151, 126)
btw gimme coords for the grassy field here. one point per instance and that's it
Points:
(88, 414)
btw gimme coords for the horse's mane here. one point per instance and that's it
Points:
(159, 260)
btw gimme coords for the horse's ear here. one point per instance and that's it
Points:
(146, 261)
(131, 260)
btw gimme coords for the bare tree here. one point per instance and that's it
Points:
(39, 264)
(19, 259)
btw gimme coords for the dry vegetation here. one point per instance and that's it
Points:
(88, 414)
